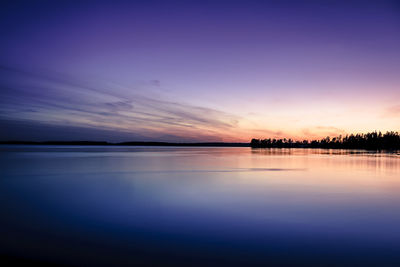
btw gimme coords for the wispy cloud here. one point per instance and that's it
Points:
(316, 132)
(392, 111)
(59, 100)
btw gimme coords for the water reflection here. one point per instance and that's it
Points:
(205, 206)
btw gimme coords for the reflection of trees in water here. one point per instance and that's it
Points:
(374, 141)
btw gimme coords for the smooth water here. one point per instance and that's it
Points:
(199, 206)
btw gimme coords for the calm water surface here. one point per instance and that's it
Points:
(199, 206)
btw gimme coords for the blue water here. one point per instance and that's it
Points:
(199, 206)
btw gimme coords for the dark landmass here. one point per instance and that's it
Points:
(95, 143)
(368, 141)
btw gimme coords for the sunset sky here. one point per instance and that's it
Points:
(198, 71)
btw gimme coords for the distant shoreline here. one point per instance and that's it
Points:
(167, 144)
(96, 143)
(369, 141)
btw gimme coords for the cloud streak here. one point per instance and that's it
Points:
(392, 111)
(49, 99)
(53, 101)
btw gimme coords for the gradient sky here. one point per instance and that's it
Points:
(198, 71)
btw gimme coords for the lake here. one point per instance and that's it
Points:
(199, 206)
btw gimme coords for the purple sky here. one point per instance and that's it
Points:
(198, 71)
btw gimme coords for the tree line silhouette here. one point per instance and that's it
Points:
(371, 141)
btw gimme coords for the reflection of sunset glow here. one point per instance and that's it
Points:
(313, 170)
(307, 201)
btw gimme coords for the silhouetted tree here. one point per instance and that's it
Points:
(372, 141)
